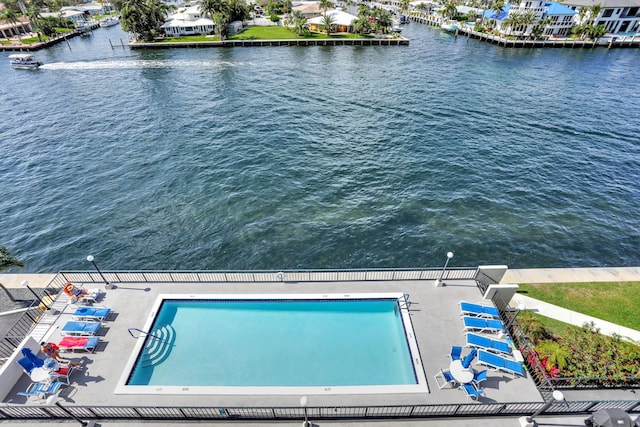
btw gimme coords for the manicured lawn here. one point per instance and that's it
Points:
(263, 33)
(617, 302)
(30, 40)
(282, 33)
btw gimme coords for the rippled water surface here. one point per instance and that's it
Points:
(320, 157)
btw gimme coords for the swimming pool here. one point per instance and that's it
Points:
(276, 344)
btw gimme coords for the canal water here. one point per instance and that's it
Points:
(320, 157)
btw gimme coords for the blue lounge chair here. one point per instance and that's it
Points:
(446, 377)
(486, 343)
(471, 392)
(482, 324)
(91, 313)
(477, 310)
(74, 328)
(500, 363)
(41, 390)
(456, 352)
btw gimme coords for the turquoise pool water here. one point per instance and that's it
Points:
(280, 343)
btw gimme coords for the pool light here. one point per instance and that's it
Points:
(25, 283)
(303, 403)
(438, 281)
(90, 258)
(529, 422)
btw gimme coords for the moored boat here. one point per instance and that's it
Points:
(24, 61)
(84, 27)
(452, 27)
(109, 21)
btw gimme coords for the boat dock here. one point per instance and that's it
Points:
(400, 41)
(465, 30)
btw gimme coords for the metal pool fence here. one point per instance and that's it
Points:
(186, 413)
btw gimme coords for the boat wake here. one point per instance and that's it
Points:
(134, 64)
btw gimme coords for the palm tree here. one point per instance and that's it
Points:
(219, 12)
(498, 7)
(596, 31)
(328, 22)
(540, 26)
(300, 24)
(449, 9)
(594, 11)
(9, 15)
(404, 6)
(527, 19)
(325, 5)
(362, 25)
(8, 261)
(143, 17)
(512, 20)
(35, 17)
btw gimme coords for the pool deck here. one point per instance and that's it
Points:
(434, 314)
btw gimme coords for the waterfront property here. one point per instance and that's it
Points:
(188, 21)
(342, 21)
(620, 17)
(135, 297)
(21, 26)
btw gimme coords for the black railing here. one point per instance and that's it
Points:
(193, 413)
(29, 319)
(348, 275)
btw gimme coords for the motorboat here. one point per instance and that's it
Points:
(84, 27)
(450, 26)
(24, 61)
(109, 21)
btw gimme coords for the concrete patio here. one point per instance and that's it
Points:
(434, 313)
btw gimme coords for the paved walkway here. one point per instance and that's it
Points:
(574, 318)
(572, 275)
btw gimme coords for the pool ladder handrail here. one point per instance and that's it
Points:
(404, 302)
(144, 333)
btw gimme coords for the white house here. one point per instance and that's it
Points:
(73, 15)
(617, 16)
(562, 20)
(188, 22)
(342, 21)
(561, 17)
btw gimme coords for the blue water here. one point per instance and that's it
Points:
(321, 157)
(281, 343)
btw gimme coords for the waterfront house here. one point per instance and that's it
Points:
(617, 16)
(22, 26)
(560, 18)
(343, 21)
(309, 10)
(75, 16)
(188, 22)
